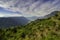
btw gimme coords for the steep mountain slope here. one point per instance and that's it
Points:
(12, 21)
(40, 29)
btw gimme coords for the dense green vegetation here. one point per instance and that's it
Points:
(40, 29)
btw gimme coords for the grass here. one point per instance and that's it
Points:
(40, 29)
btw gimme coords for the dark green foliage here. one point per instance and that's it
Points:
(44, 29)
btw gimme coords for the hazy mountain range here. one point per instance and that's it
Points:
(14, 21)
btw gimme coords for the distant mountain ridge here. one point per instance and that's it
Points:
(51, 14)
(43, 17)
(15, 21)
(12, 21)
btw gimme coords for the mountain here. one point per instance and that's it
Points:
(32, 18)
(44, 17)
(51, 14)
(12, 21)
(40, 29)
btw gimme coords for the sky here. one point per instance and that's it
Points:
(28, 8)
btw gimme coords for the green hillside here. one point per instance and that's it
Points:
(40, 29)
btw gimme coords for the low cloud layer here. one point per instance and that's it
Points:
(9, 15)
(31, 7)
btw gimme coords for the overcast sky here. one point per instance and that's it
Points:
(28, 8)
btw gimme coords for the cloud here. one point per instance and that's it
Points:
(31, 7)
(9, 15)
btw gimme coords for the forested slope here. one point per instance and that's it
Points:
(40, 29)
